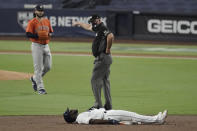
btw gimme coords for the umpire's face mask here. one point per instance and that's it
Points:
(96, 25)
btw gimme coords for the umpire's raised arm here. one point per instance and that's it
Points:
(83, 25)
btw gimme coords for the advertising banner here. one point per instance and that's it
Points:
(139, 26)
(165, 27)
(14, 22)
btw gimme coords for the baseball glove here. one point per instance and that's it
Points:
(43, 35)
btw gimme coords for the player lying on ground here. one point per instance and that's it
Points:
(102, 116)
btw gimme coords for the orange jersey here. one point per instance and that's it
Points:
(34, 26)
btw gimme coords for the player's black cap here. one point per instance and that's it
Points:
(93, 17)
(39, 8)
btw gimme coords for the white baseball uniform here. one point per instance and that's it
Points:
(42, 62)
(119, 115)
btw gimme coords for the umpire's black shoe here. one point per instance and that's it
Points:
(107, 107)
(34, 85)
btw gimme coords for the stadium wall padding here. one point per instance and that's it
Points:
(124, 24)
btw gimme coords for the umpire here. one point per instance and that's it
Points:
(101, 50)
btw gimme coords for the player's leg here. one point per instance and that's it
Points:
(47, 60)
(122, 115)
(37, 54)
(118, 115)
(143, 118)
(106, 89)
(159, 118)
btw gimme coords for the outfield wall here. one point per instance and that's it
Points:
(14, 22)
(124, 24)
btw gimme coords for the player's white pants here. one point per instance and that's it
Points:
(121, 115)
(42, 61)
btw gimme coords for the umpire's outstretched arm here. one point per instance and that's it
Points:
(83, 25)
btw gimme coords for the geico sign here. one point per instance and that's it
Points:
(172, 26)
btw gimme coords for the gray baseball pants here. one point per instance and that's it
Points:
(100, 79)
(42, 62)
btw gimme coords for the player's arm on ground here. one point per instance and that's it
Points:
(110, 39)
(99, 121)
(83, 25)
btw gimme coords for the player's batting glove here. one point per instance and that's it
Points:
(114, 122)
(43, 35)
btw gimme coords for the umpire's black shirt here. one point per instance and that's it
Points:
(100, 42)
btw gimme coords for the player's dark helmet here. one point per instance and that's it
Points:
(39, 7)
(70, 115)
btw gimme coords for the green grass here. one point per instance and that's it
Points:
(143, 85)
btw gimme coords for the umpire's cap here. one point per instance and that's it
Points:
(67, 116)
(93, 17)
(39, 7)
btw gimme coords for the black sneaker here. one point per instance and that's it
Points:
(34, 85)
(107, 107)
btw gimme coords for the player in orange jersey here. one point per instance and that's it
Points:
(39, 31)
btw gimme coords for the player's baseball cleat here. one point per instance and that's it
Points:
(34, 85)
(162, 117)
(165, 114)
(42, 92)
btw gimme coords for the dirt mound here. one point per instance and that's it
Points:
(12, 75)
(56, 123)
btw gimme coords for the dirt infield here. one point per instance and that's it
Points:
(56, 123)
(12, 75)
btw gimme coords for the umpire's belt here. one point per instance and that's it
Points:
(98, 57)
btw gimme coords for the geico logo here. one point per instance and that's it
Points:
(172, 26)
